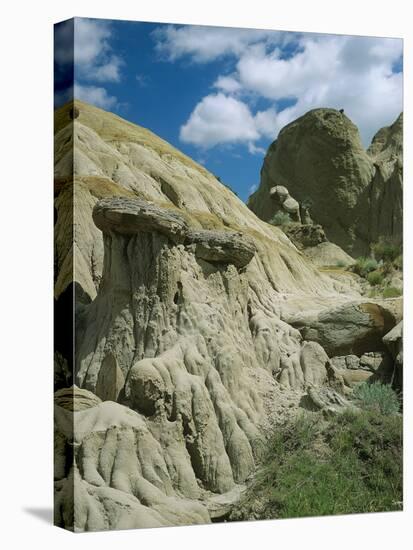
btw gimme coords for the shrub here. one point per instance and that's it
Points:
(398, 262)
(280, 219)
(341, 263)
(391, 292)
(375, 278)
(386, 249)
(377, 397)
(351, 464)
(363, 266)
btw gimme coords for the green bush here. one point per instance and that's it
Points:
(386, 249)
(377, 397)
(375, 278)
(398, 262)
(341, 263)
(363, 266)
(280, 219)
(350, 464)
(391, 292)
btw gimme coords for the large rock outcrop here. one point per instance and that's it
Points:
(185, 344)
(320, 161)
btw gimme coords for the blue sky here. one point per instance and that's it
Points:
(221, 95)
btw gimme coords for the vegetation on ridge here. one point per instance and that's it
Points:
(350, 463)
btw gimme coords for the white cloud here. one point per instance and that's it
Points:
(94, 58)
(204, 44)
(266, 122)
(219, 119)
(353, 73)
(95, 95)
(142, 80)
(227, 84)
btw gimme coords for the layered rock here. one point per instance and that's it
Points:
(319, 160)
(189, 342)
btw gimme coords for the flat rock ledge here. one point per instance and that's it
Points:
(222, 246)
(131, 216)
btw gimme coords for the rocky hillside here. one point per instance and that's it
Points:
(198, 327)
(321, 163)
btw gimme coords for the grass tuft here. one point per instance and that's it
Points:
(312, 467)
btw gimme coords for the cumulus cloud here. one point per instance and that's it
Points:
(353, 73)
(95, 95)
(227, 84)
(94, 58)
(220, 118)
(204, 44)
(308, 70)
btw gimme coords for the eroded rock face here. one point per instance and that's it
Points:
(131, 216)
(185, 349)
(353, 328)
(110, 472)
(320, 160)
(222, 247)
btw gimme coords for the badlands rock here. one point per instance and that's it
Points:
(328, 254)
(320, 160)
(222, 247)
(132, 216)
(394, 342)
(183, 334)
(116, 475)
(304, 236)
(353, 328)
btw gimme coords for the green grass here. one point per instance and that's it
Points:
(375, 278)
(352, 463)
(364, 265)
(391, 292)
(377, 397)
(386, 249)
(280, 219)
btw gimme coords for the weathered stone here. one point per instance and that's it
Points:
(356, 195)
(325, 399)
(352, 362)
(110, 380)
(130, 216)
(75, 399)
(206, 349)
(222, 246)
(352, 377)
(326, 254)
(352, 328)
(304, 236)
(375, 361)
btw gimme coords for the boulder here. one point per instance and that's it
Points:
(130, 216)
(304, 236)
(352, 328)
(222, 247)
(320, 159)
(325, 399)
(75, 399)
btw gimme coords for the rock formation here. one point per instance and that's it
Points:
(319, 160)
(197, 326)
